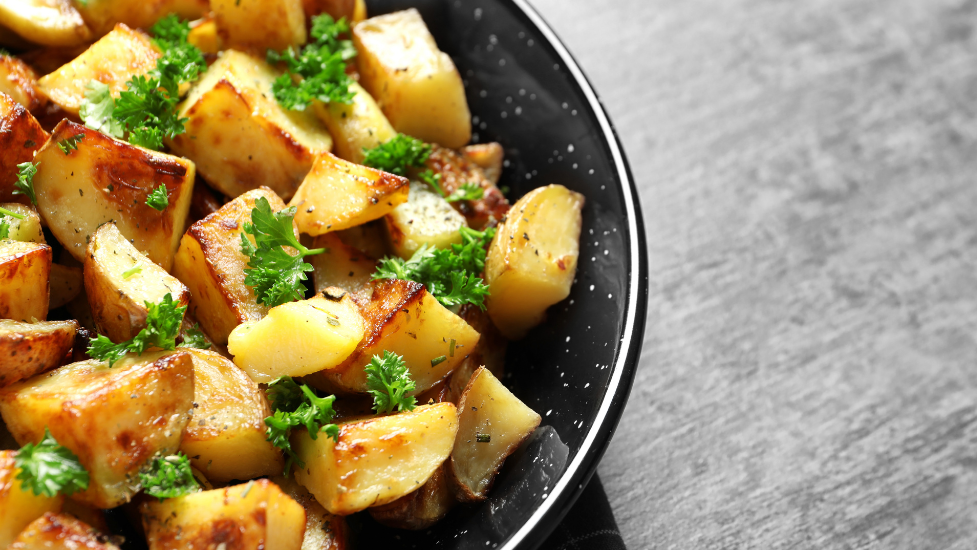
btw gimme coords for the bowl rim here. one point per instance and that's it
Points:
(578, 473)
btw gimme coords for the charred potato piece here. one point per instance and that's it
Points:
(260, 25)
(425, 219)
(338, 194)
(237, 134)
(28, 349)
(456, 170)
(115, 419)
(421, 508)
(492, 424)
(19, 81)
(24, 272)
(47, 22)
(109, 180)
(113, 60)
(357, 126)
(252, 516)
(211, 264)
(28, 228)
(23, 136)
(488, 157)
(416, 85)
(323, 531)
(532, 260)
(376, 461)
(120, 280)
(102, 15)
(341, 266)
(61, 532)
(226, 438)
(20, 507)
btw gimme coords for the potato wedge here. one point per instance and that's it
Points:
(47, 22)
(27, 229)
(532, 260)
(492, 424)
(211, 264)
(24, 272)
(240, 137)
(115, 419)
(23, 136)
(29, 349)
(113, 60)
(455, 170)
(61, 532)
(323, 531)
(204, 36)
(341, 266)
(426, 218)
(260, 25)
(376, 461)
(357, 126)
(421, 508)
(488, 353)
(102, 15)
(20, 507)
(66, 284)
(338, 194)
(226, 437)
(252, 516)
(487, 156)
(403, 317)
(120, 280)
(109, 180)
(19, 81)
(415, 84)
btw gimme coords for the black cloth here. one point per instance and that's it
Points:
(589, 525)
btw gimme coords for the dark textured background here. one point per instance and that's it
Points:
(806, 168)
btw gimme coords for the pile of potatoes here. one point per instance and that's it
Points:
(91, 254)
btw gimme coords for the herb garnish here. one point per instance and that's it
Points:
(4, 224)
(67, 145)
(162, 327)
(25, 181)
(97, 110)
(319, 70)
(389, 382)
(297, 406)
(169, 477)
(157, 200)
(48, 468)
(467, 192)
(397, 155)
(131, 271)
(193, 337)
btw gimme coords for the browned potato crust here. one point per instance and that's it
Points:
(488, 157)
(25, 269)
(22, 136)
(28, 349)
(335, 8)
(18, 80)
(455, 170)
(61, 532)
(421, 508)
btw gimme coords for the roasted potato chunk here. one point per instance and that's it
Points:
(240, 137)
(102, 15)
(211, 264)
(376, 461)
(115, 419)
(113, 60)
(323, 531)
(226, 438)
(338, 194)
(298, 338)
(252, 516)
(28, 227)
(488, 157)
(425, 219)
(341, 266)
(24, 271)
(488, 353)
(260, 25)
(61, 532)
(109, 180)
(371, 238)
(415, 84)
(532, 260)
(421, 508)
(120, 280)
(204, 36)
(20, 507)
(357, 126)
(47, 22)
(456, 170)
(22, 136)
(19, 81)
(28, 349)
(403, 317)
(492, 424)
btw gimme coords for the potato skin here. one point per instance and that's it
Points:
(18, 80)
(487, 156)
(19, 507)
(22, 136)
(25, 270)
(29, 349)
(61, 531)
(456, 169)
(419, 509)
(323, 531)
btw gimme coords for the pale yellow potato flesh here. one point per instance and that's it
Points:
(61, 532)
(114, 419)
(25, 269)
(251, 516)
(27, 229)
(47, 22)
(20, 507)
(102, 15)
(323, 531)
(297, 338)
(204, 37)
(357, 126)
(260, 25)
(376, 461)
(23, 136)
(19, 81)
(341, 266)
(426, 218)
(532, 260)
(29, 349)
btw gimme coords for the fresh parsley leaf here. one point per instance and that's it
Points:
(158, 200)
(285, 394)
(274, 274)
(194, 338)
(169, 477)
(162, 327)
(389, 382)
(25, 181)
(148, 112)
(48, 468)
(130, 272)
(4, 227)
(467, 192)
(296, 406)
(398, 155)
(67, 145)
(170, 30)
(97, 110)
(433, 180)
(11, 213)
(318, 71)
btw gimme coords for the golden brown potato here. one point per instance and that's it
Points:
(19, 81)
(28, 349)
(211, 264)
(240, 137)
(20, 507)
(252, 516)
(94, 517)
(416, 85)
(403, 317)
(22, 137)
(115, 419)
(47, 22)
(492, 424)
(102, 15)
(105, 179)
(28, 227)
(24, 272)
(61, 532)
(204, 36)
(359, 11)
(376, 461)
(426, 218)
(456, 170)
(113, 60)
(335, 8)
(226, 437)
(260, 25)
(120, 280)
(338, 194)
(341, 266)
(488, 157)
(421, 508)
(323, 531)
(357, 126)
(66, 284)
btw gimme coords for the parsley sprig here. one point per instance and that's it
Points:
(398, 155)
(169, 477)
(158, 200)
(48, 468)
(274, 274)
(466, 192)
(452, 276)
(4, 224)
(388, 381)
(296, 406)
(193, 337)
(69, 144)
(162, 327)
(318, 71)
(25, 181)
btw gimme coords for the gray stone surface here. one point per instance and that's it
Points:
(809, 375)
